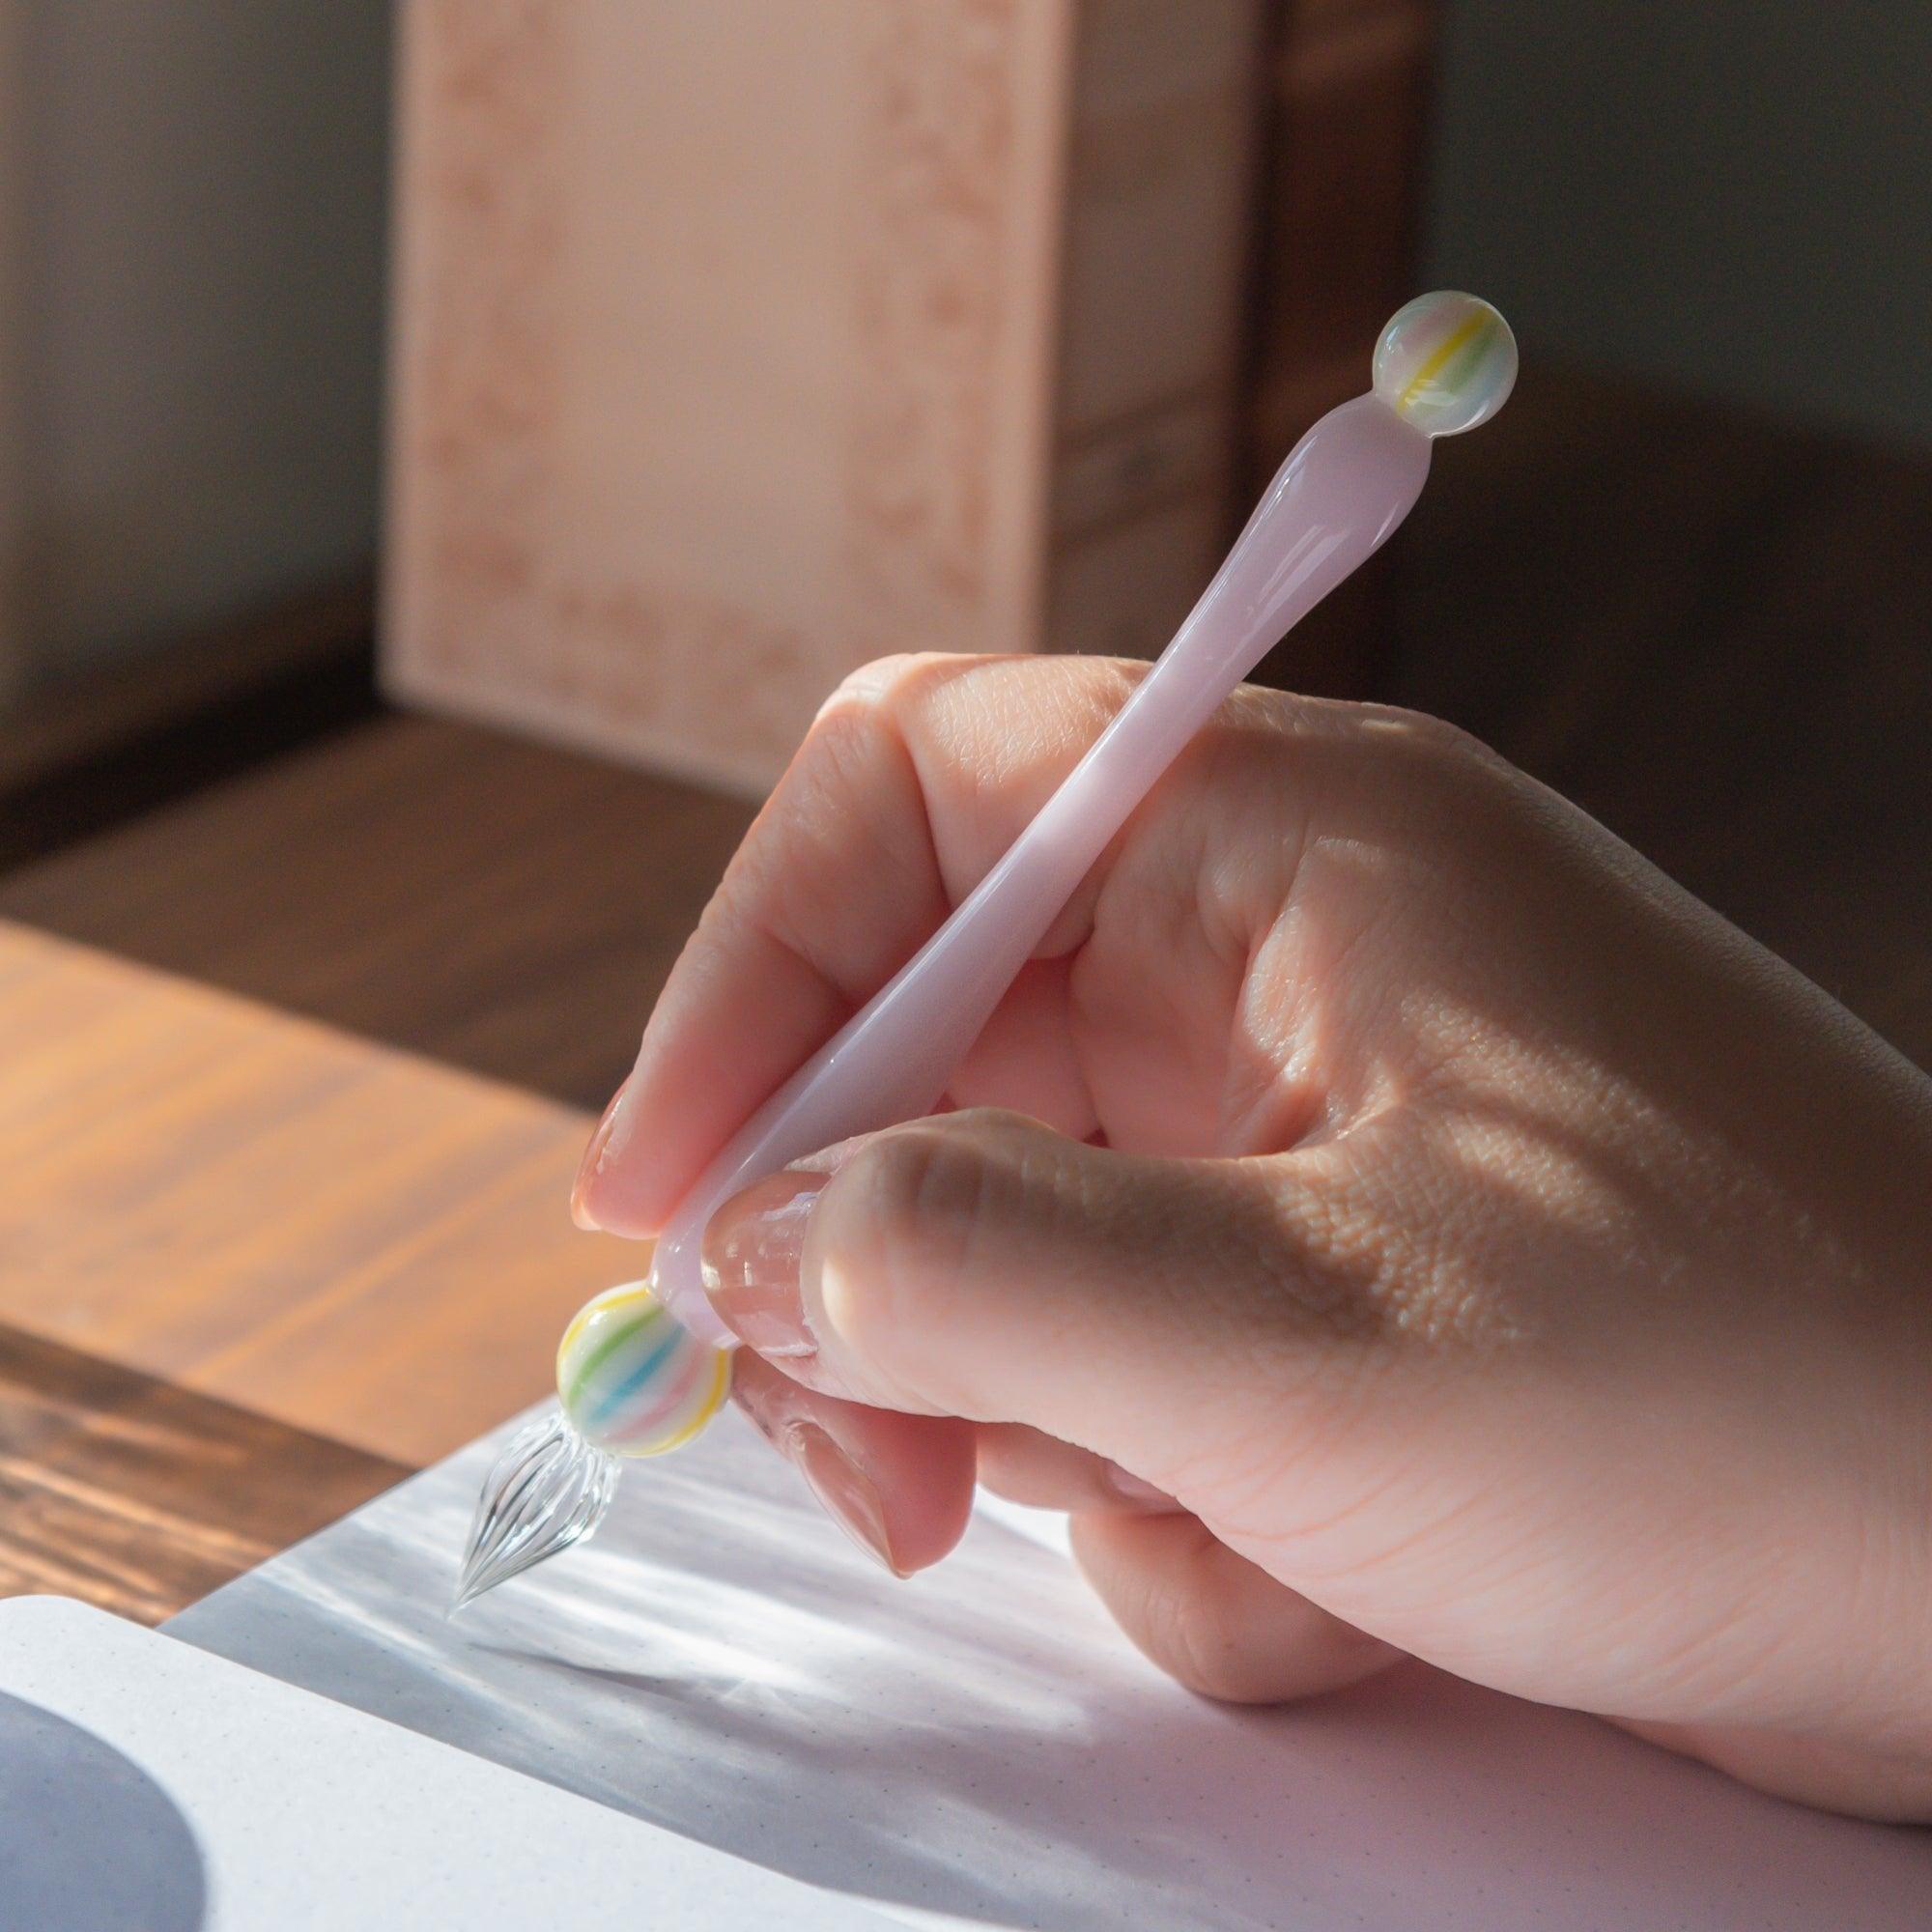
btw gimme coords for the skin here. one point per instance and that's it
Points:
(1388, 1215)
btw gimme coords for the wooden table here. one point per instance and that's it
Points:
(484, 902)
(296, 1079)
(252, 1270)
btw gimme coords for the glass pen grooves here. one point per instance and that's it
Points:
(548, 1490)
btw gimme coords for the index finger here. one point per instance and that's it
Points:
(917, 775)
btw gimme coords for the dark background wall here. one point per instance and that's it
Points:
(197, 210)
(1734, 196)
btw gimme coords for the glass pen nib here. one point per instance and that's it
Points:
(548, 1490)
(631, 1382)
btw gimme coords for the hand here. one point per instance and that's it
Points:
(1410, 1225)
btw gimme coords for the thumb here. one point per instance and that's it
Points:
(979, 1264)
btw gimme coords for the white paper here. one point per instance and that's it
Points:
(146, 1786)
(981, 1742)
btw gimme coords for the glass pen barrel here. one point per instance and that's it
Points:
(1348, 482)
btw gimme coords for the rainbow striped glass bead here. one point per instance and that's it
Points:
(632, 1380)
(1445, 362)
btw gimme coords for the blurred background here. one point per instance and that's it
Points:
(658, 362)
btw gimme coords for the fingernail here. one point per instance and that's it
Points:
(1136, 1493)
(850, 1498)
(592, 1163)
(750, 1261)
(848, 1494)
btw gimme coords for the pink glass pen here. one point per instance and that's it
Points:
(642, 1368)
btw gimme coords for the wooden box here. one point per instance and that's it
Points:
(740, 341)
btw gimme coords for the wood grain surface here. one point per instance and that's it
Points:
(470, 897)
(140, 1497)
(333, 1234)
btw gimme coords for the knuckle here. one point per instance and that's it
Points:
(1439, 762)
(904, 1216)
(1387, 1256)
(842, 744)
(873, 681)
(848, 815)
(933, 1186)
(1201, 1648)
(1426, 732)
